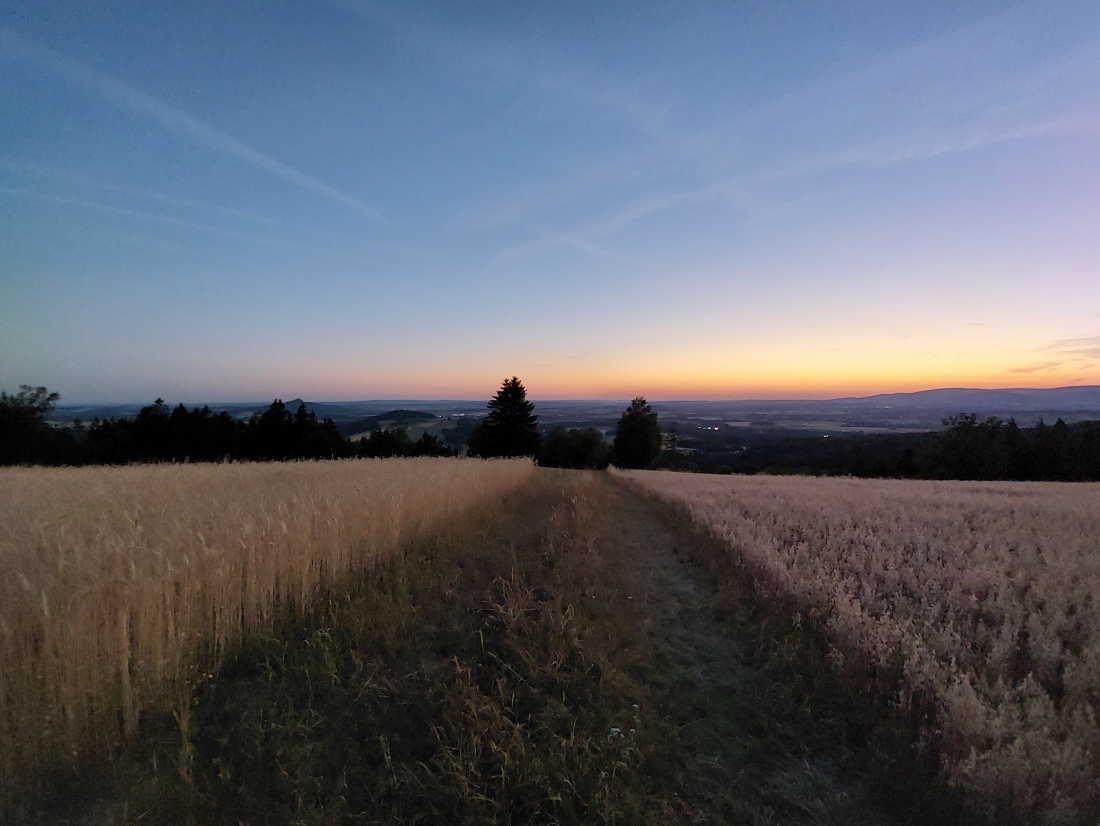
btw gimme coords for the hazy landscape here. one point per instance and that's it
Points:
(882, 413)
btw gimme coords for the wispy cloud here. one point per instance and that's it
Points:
(952, 94)
(139, 214)
(76, 183)
(547, 240)
(15, 46)
(1076, 354)
(746, 188)
(536, 65)
(153, 217)
(1041, 367)
(1080, 348)
(81, 180)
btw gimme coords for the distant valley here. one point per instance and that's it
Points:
(886, 413)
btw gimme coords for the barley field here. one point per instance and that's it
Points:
(122, 587)
(979, 599)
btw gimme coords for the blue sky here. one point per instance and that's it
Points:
(343, 200)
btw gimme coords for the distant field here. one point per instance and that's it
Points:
(414, 430)
(119, 586)
(979, 599)
(825, 425)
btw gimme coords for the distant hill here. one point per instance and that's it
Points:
(1023, 399)
(921, 410)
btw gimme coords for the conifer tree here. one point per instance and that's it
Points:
(638, 437)
(510, 429)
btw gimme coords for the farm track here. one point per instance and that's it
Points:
(471, 645)
(755, 757)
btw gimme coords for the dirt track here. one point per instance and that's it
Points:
(758, 757)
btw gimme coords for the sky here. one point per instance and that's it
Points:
(347, 199)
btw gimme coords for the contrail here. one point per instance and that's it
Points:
(176, 222)
(145, 216)
(172, 119)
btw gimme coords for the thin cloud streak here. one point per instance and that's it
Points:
(1042, 367)
(548, 240)
(738, 189)
(163, 219)
(1082, 348)
(82, 180)
(523, 61)
(141, 215)
(174, 120)
(998, 109)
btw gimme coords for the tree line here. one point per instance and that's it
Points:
(969, 447)
(162, 434)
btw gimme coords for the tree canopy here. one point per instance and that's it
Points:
(24, 434)
(574, 448)
(510, 428)
(638, 437)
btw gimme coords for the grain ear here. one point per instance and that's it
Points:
(964, 598)
(122, 586)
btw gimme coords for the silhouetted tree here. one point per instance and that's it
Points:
(271, 433)
(429, 445)
(151, 433)
(573, 448)
(24, 434)
(638, 438)
(971, 448)
(383, 443)
(510, 429)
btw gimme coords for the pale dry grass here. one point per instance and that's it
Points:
(981, 597)
(121, 587)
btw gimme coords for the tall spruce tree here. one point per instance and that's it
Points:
(510, 429)
(638, 437)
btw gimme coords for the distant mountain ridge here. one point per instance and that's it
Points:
(1085, 397)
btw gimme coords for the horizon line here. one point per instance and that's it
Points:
(609, 399)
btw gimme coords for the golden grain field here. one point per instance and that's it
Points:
(120, 586)
(982, 597)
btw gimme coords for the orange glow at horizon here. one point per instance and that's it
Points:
(696, 384)
(707, 369)
(819, 375)
(656, 388)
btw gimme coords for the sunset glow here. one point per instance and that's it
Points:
(355, 199)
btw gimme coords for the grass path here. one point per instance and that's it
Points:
(558, 657)
(756, 751)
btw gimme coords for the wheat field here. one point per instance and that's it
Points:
(121, 587)
(977, 598)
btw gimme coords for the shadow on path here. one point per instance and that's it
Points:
(760, 752)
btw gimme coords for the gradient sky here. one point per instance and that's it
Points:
(215, 201)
